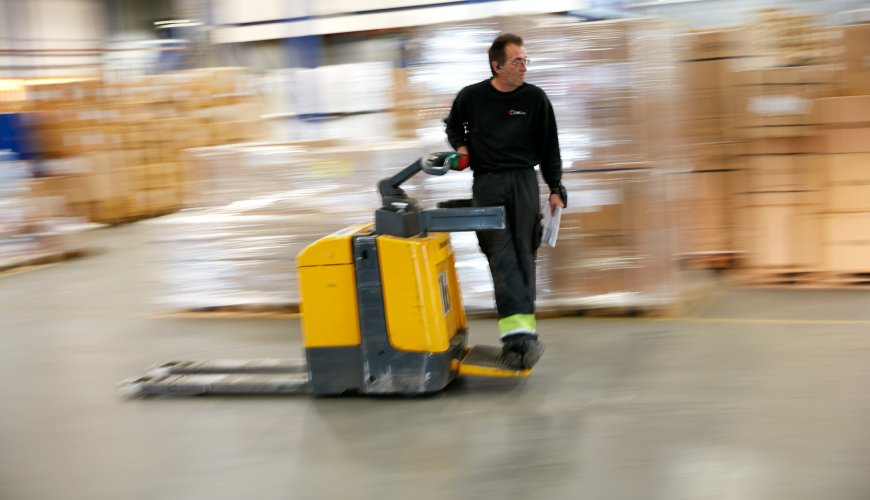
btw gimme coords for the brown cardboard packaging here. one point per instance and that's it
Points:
(781, 173)
(775, 132)
(776, 102)
(101, 186)
(706, 220)
(844, 198)
(711, 214)
(715, 44)
(807, 248)
(602, 219)
(776, 146)
(856, 41)
(709, 185)
(857, 82)
(800, 201)
(769, 105)
(710, 156)
(786, 76)
(703, 104)
(847, 181)
(705, 74)
(844, 111)
(138, 176)
(847, 242)
(844, 168)
(607, 41)
(784, 236)
(843, 140)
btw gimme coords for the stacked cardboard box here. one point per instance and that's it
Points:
(16, 232)
(613, 84)
(705, 205)
(619, 112)
(844, 140)
(779, 189)
(30, 228)
(404, 104)
(364, 101)
(114, 150)
(781, 37)
(614, 92)
(615, 244)
(705, 69)
(803, 158)
(777, 102)
(12, 96)
(614, 88)
(844, 124)
(856, 54)
(596, 81)
(261, 204)
(754, 136)
(805, 182)
(706, 216)
(777, 202)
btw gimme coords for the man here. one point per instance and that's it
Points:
(507, 126)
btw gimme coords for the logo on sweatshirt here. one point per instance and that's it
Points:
(516, 112)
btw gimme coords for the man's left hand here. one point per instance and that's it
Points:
(556, 201)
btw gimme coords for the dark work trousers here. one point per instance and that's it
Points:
(512, 251)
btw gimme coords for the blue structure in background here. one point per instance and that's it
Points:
(304, 51)
(15, 135)
(170, 55)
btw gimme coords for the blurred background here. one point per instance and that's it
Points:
(170, 158)
(696, 134)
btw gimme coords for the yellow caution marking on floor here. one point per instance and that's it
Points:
(761, 321)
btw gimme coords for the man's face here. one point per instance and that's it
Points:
(513, 71)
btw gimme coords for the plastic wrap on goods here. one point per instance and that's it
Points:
(16, 236)
(615, 247)
(262, 204)
(616, 243)
(614, 85)
(237, 255)
(225, 174)
(339, 101)
(26, 228)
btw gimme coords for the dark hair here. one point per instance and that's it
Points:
(496, 50)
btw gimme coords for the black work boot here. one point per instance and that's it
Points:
(521, 350)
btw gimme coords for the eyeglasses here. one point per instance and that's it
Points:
(521, 62)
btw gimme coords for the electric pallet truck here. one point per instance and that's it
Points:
(381, 309)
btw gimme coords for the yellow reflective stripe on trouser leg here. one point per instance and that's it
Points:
(516, 323)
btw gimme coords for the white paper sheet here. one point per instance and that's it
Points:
(552, 218)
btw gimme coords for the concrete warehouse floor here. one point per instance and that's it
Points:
(761, 394)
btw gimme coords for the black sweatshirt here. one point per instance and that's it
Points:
(506, 130)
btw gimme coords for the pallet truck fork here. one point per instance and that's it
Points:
(381, 309)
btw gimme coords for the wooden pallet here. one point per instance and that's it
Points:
(15, 265)
(290, 311)
(606, 312)
(777, 278)
(237, 311)
(710, 260)
(845, 280)
(695, 292)
(802, 279)
(564, 311)
(129, 219)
